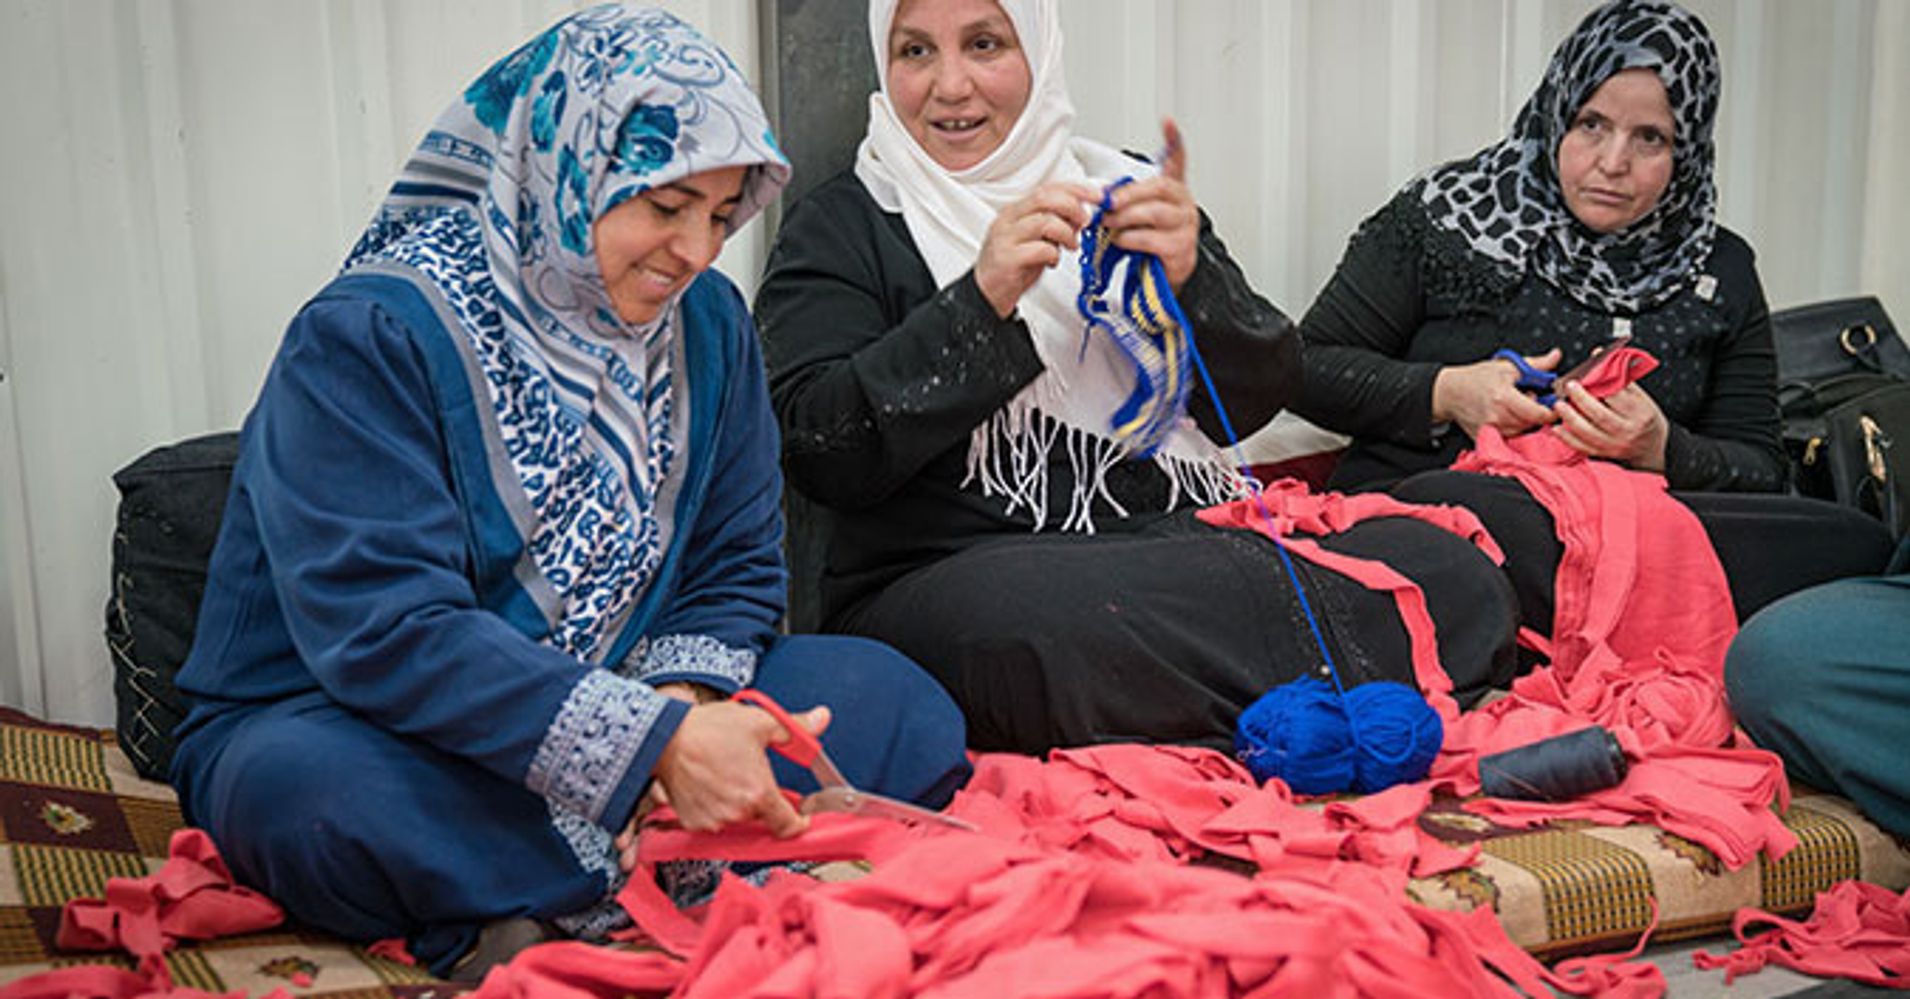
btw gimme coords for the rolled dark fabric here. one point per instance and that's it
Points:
(1556, 769)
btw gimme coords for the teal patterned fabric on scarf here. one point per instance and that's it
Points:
(494, 211)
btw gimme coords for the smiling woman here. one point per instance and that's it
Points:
(505, 529)
(651, 246)
(948, 419)
(957, 77)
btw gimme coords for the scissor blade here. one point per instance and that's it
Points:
(852, 801)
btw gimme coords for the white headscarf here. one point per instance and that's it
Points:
(948, 214)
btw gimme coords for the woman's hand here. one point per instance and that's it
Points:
(714, 771)
(1026, 238)
(1158, 215)
(1487, 393)
(1626, 426)
(689, 693)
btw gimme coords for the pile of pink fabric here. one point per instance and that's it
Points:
(1089, 875)
(191, 897)
(1642, 618)
(1078, 885)
(1857, 931)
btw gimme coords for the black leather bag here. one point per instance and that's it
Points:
(1849, 439)
(1840, 337)
(1844, 388)
(171, 502)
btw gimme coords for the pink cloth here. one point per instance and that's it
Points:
(1642, 619)
(392, 949)
(1287, 506)
(571, 970)
(98, 981)
(1858, 931)
(1080, 885)
(191, 897)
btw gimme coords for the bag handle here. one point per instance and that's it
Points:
(1859, 340)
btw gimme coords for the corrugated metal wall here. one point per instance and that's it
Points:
(179, 175)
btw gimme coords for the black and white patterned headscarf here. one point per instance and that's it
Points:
(1506, 201)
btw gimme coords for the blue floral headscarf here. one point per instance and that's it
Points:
(494, 211)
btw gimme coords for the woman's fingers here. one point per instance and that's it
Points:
(1546, 361)
(816, 719)
(1627, 426)
(1049, 228)
(1174, 163)
(1028, 237)
(779, 815)
(1155, 203)
(1593, 419)
(1065, 201)
(1524, 412)
(1158, 216)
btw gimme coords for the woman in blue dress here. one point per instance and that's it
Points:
(505, 528)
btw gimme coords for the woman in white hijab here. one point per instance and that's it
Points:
(946, 420)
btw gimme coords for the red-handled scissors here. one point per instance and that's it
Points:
(837, 794)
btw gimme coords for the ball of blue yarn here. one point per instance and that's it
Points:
(1397, 732)
(1302, 732)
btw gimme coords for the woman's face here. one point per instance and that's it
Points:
(957, 77)
(652, 245)
(1615, 161)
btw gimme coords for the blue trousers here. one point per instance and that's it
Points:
(1822, 678)
(366, 835)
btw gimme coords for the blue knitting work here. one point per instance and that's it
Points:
(1147, 325)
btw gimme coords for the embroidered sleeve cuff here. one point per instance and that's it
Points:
(598, 752)
(694, 659)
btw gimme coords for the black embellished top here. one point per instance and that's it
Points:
(1409, 298)
(878, 378)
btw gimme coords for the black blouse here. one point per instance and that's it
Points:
(878, 378)
(1409, 298)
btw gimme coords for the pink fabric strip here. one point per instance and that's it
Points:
(572, 970)
(1857, 931)
(191, 897)
(1286, 507)
(95, 981)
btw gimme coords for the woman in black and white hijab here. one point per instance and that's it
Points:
(946, 419)
(1594, 219)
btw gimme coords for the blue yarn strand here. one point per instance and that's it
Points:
(1246, 471)
(1320, 739)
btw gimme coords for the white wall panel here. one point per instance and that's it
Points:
(179, 175)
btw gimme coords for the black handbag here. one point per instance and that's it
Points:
(171, 502)
(1839, 337)
(1843, 436)
(1844, 390)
